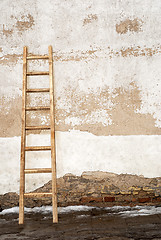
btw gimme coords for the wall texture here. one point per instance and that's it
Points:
(107, 57)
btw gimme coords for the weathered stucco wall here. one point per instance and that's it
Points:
(107, 58)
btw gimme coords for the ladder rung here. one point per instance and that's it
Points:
(36, 73)
(38, 170)
(37, 108)
(30, 195)
(37, 57)
(38, 90)
(40, 148)
(37, 127)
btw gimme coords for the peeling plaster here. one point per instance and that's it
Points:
(129, 25)
(90, 18)
(101, 113)
(11, 59)
(107, 57)
(136, 51)
(7, 32)
(133, 51)
(25, 22)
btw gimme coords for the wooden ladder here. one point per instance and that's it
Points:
(25, 128)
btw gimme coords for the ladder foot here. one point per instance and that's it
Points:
(55, 220)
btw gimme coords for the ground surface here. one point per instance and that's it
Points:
(88, 223)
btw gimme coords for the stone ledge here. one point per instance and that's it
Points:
(95, 188)
(144, 200)
(91, 199)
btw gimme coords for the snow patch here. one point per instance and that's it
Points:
(141, 211)
(47, 209)
(124, 211)
(74, 208)
(117, 208)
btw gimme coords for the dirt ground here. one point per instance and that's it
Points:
(96, 223)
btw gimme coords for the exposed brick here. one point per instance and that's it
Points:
(121, 198)
(127, 201)
(134, 199)
(143, 200)
(109, 199)
(91, 199)
(127, 198)
(156, 200)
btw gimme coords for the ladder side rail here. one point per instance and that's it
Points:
(23, 140)
(53, 148)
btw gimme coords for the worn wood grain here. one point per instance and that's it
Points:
(53, 149)
(38, 170)
(34, 90)
(43, 127)
(38, 148)
(37, 108)
(35, 57)
(23, 140)
(37, 73)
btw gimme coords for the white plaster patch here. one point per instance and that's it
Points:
(77, 152)
(73, 121)
(45, 119)
(149, 87)
(9, 171)
(99, 116)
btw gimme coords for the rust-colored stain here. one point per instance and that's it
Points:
(122, 112)
(90, 18)
(129, 25)
(25, 22)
